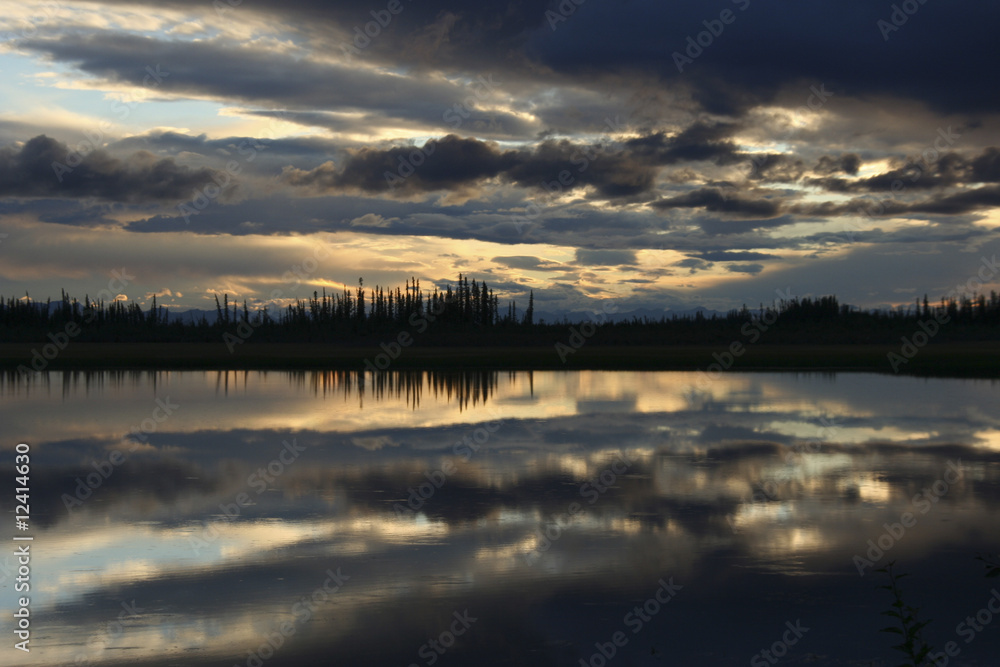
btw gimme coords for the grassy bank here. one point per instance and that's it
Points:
(940, 360)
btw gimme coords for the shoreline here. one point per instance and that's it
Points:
(979, 359)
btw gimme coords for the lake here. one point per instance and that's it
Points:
(546, 518)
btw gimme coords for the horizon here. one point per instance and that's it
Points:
(594, 306)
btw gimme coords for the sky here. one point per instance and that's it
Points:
(657, 154)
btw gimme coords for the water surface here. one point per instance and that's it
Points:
(233, 518)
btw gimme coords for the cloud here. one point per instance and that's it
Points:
(848, 163)
(777, 167)
(43, 168)
(734, 256)
(529, 263)
(714, 200)
(752, 269)
(717, 227)
(454, 162)
(605, 257)
(951, 203)
(701, 140)
(447, 163)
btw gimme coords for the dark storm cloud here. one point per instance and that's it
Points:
(454, 162)
(694, 264)
(961, 202)
(768, 47)
(950, 169)
(771, 46)
(986, 167)
(269, 79)
(716, 201)
(777, 168)
(716, 227)
(752, 269)
(77, 212)
(427, 32)
(440, 164)
(951, 204)
(847, 163)
(699, 141)
(765, 48)
(738, 256)
(43, 168)
(894, 188)
(605, 257)
(557, 165)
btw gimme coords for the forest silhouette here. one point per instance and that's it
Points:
(470, 314)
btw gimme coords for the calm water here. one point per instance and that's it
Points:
(513, 518)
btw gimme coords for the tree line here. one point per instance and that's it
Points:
(470, 313)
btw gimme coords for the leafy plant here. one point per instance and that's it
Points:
(910, 629)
